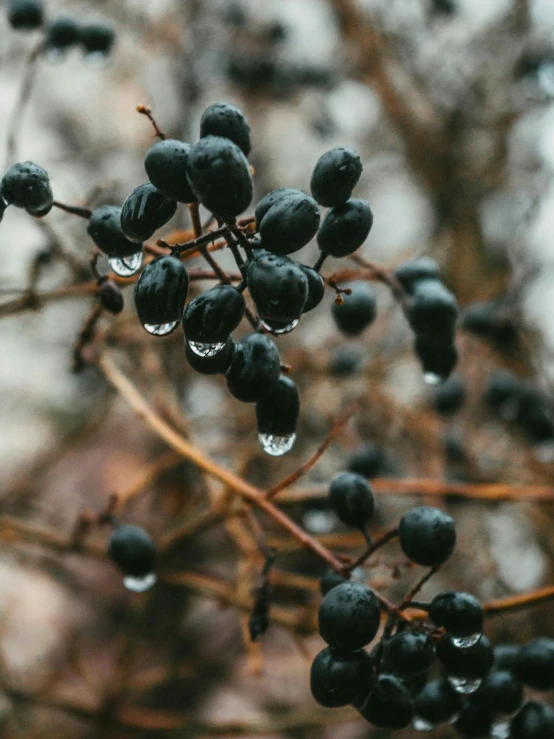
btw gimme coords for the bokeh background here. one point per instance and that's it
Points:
(450, 104)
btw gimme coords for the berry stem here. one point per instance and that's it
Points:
(417, 587)
(75, 210)
(320, 260)
(389, 536)
(297, 474)
(145, 110)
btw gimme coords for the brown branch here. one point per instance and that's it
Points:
(341, 421)
(517, 602)
(372, 548)
(417, 587)
(145, 110)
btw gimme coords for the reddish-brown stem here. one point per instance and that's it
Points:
(297, 474)
(85, 337)
(417, 587)
(145, 110)
(389, 536)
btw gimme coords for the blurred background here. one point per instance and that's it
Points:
(450, 104)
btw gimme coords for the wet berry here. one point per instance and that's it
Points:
(459, 613)
(211, 316)
(25, 15)
(467, 662)
(132, 550)
(535, 664)
(330, 579)
(97, 38)
(255, 369)
(166, 164)
(316, 288)
(534, 721)
(287, 220)
(437, 702)
(408, 653)
(413, 271)
(104, 228)
(349, 617)
(352, 499)
(144, 211)
(278, 287)
(26, 185)
(345, 228)
(228, 121)
(340, 679)
(111, 297)
(427, 535)
(277, 412)
(160, 293)
(62, 33)
(389, 705)
(211, 365)
(335, 175)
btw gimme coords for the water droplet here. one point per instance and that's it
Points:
(96, 59)
(55, 56)
(431, 378)
(420, 724)
(454, 718)
(464, 685)
(160, 329)
(282, 330)
(319, 522)
(206, 350)
(464, 642)
(276, 446)
(500, 730)
(126, 266)
(139, 584)
(544, 452)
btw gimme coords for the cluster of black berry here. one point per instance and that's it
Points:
(96, 39)
(478, 689)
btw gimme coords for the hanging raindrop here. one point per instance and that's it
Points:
(432, 379)
(161, 329)
(420, 724)
(276, 446)
(464, 642)
(464, 685)
(54, 55)
(139, 584)
(207, 350)
(500, 730)
(282, 330)
(126, 266)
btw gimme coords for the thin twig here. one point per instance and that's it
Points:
(75, 210)
(145, 110)
(389, 536)
(14, 126)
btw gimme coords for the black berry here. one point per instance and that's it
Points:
(97, 38)
(534, 721)
(339, 679)
(277, 412)
(427, 535)
(219, 174)
(389, 705)
(26, 185)
(475, 720)
(335, 175)
(437, 360)
(278, 287)
(62, 33)
(228, 121)
(287, 220)
(408, 653)
(349, 616)
(449, 396)
(132, 550)
(535, 664)
(316, 288)
(255, 369)
(111, 297)
(217, 364)
(368, 461)
(345, 228)
(466, 662)
(501, 692)
(213, 315)
(357, 311)
(160, 294)
(460, 613)
(330, 579)
(25, 15)
(166, 164)
(104, 228)
(437, 702)
(144, 211)
(432, 310)
(413, 271)
(352, 499)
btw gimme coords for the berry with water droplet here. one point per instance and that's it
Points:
(349, 617)
(255, 369)
(357, 311)
(26, 185)
(432, 310)
(62, 33)
(97, 38)
(459, 613)
(161, 291)
(437, 702)
(437, 359)
(144, 211)
(340, 679)
(408, 653)
(111, 297)
(104, 228)
(278, 287)
(389, 705)
(468, 662)
(217, 364)
(352, 499)
(335, 175)
(132, 550)
(345, 228)
(219, 174)
(227, 121)
(166, 164)
(25, 15)
(427, 535)
(210, 317)
(287, 220)
(277, 412)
